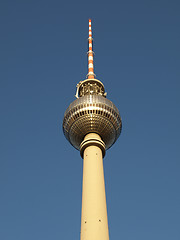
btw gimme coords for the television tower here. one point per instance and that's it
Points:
(92, 124)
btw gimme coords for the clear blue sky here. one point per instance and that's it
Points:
(43, 47)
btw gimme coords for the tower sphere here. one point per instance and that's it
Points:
(91, 112)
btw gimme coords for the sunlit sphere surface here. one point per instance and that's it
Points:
(92, 114)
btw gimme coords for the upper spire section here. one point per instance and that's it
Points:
(90, 74)
(91, 85)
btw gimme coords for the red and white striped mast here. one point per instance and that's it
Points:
(90, 85)
(90, 74)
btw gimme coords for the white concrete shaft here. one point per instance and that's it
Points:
(94, 222)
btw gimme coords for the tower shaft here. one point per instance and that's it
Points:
(94, 222)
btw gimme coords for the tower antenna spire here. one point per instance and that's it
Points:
(90, 53)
